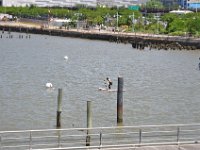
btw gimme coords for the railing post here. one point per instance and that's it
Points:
(120, 100)
(100, 138)
(89, 122)
(140, 136)
(59, 137)
(0, 143)
(30, 141)
(59, 109)
(178, 134)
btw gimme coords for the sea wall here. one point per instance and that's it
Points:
(139, 41)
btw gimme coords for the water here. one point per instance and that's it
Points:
(162, 87)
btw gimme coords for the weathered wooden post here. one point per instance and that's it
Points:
(199, 64)
(89, 122)
(59, 109)
(120, 100)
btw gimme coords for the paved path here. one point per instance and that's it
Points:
(165, 147)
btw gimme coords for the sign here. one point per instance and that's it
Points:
(133, 7)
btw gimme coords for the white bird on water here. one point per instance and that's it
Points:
(66, 58)
(49, 85)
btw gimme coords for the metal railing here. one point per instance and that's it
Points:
(100, 137)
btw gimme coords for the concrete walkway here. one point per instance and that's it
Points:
(165, 147)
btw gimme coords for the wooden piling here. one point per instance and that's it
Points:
(89, 122)
(120, 100)
(9, 30)
(199, 63)
(59, 109)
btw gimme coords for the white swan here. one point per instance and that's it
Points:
(66, 58)
(49, 85)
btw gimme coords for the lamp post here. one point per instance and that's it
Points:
(156, 6)
(132, 18)
(49, 13)
(197, 3)
(117, 21)
(78, 17)
(106, 19)
(117, 16)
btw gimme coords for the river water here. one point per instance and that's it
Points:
(162, 87)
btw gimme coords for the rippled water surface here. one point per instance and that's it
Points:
(162, 87)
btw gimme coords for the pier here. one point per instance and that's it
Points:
(147, 137)
(137, 40)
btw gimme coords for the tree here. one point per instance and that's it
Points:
(154, 4)
(168, 19)
(193, 26)
(98, 20)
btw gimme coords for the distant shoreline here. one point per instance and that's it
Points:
(138, 40)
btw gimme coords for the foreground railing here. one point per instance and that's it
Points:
(100, 137)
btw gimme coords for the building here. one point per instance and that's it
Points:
(17, 2)
(190, 4)
(193, 4)
(70, 3)
(107, 3)
(181, 12)
(125, 3)
(170, 3)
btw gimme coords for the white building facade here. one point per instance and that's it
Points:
(69, 3)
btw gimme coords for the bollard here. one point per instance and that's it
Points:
(89, 122)
(120, 100)
(59, 110)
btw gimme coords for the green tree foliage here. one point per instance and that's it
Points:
(154, 4)
(193, 25)
(177, 25)
(168, 23)
(182, 24)
(98, 20)
(168, 19)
